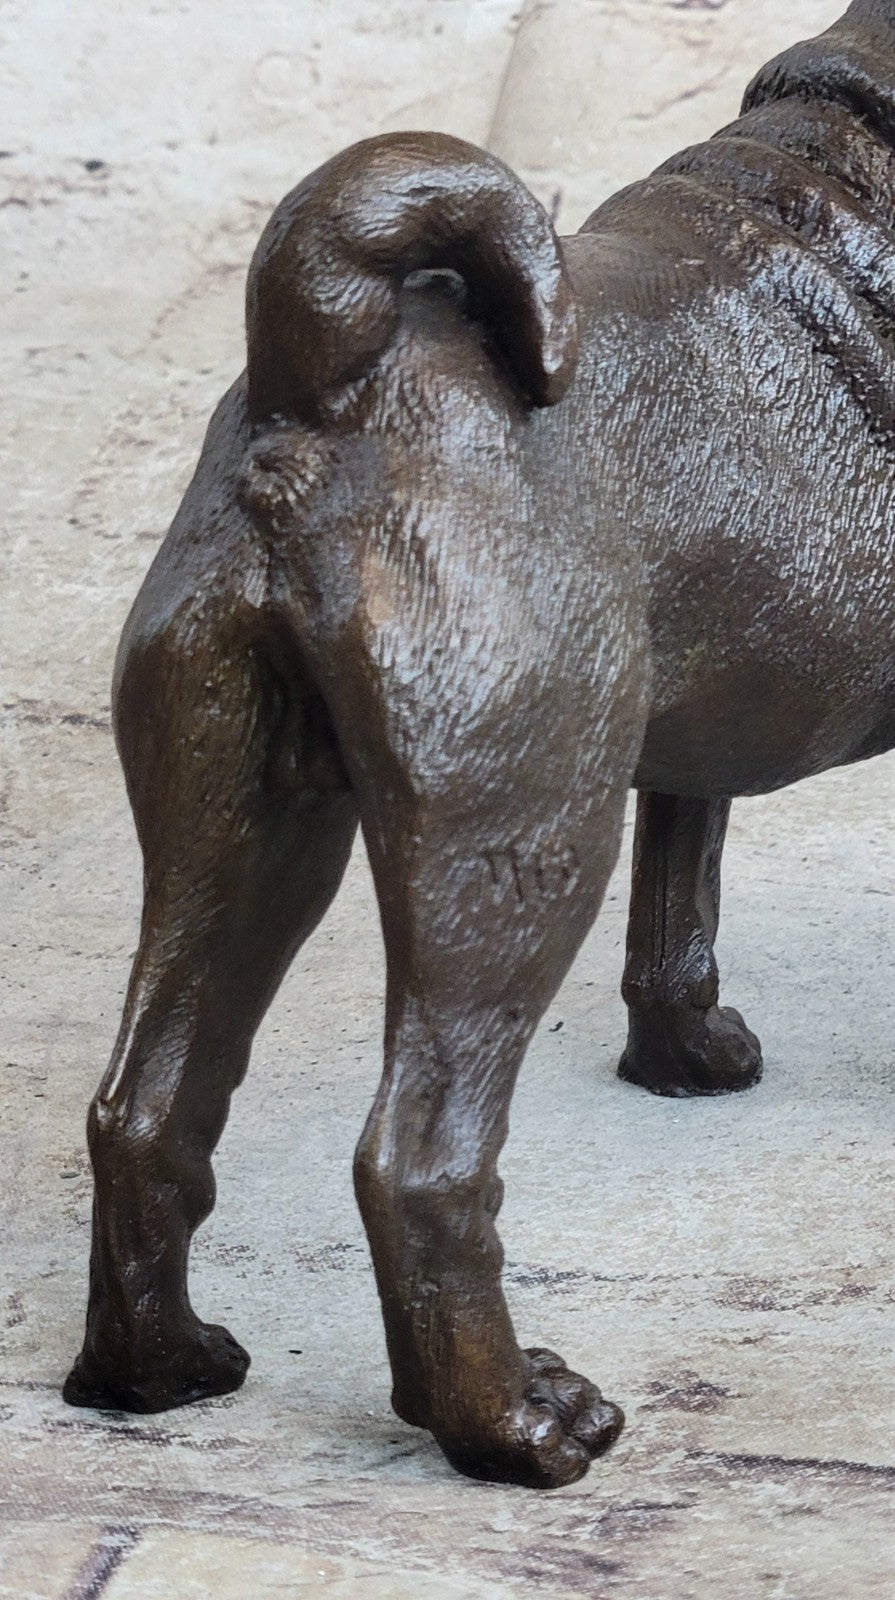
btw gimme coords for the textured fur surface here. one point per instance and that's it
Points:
(495, 527)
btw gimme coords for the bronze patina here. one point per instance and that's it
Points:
(495, 527)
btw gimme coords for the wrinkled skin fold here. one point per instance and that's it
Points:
(495, 527)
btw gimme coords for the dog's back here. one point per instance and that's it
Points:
(799, 195)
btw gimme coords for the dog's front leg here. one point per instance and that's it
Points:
(680, 1041)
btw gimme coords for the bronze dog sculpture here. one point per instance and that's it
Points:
(494, 528)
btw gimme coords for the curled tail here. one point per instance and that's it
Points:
(324, 280)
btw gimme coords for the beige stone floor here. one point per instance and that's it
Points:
(724, 1269)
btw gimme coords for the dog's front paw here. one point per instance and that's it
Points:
(548, 1440)
(681, 1050)
(210, 1363)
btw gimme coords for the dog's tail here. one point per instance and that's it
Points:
(324, 280)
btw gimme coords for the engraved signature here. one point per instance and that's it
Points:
(530, 872)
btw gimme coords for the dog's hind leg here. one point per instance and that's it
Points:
(246, 824)
(480, 929)
(680, 1041)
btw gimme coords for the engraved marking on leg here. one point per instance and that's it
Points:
(493, 868)
(532, 874)
(516, 866)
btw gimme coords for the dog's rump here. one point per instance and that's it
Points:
(799, 193)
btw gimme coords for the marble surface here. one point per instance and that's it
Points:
(723, 1269)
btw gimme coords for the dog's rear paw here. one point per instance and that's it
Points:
(552, 1437)
(680, 1050)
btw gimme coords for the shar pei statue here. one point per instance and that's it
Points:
(495, 527)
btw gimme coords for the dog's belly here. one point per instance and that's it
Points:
(747, 734)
